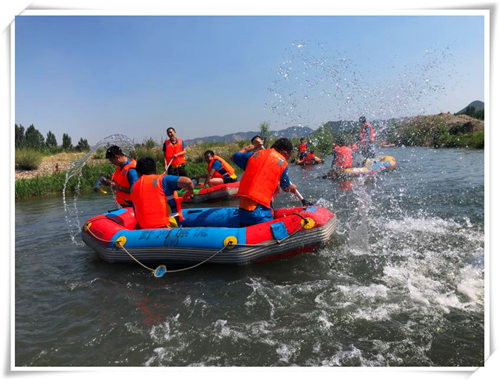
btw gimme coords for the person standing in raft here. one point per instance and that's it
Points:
(154, 196)
(174, 151)
(366, 139)
(256, 144)
(265, 170)
(124, 176)
(218, 171)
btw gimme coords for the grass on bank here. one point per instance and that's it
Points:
(27, 159)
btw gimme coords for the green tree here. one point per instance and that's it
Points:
(19, 139)
(51, 141)
(264, 131)
(33, 138)
(66, 142)
(82, 145)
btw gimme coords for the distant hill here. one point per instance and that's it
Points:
(290, 132)
(477, 104)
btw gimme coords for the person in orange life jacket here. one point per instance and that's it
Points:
(265, 171)
(366, 139)
(303, 148)
(256, 144)
(154, 196)
(311, 157)
(219, 171)
(124, 176)
(342, 156)
(174, 151)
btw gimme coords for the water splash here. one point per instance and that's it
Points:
(71, 212)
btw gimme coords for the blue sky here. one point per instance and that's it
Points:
(93, 76)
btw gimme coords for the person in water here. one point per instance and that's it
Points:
(303, 148)
(219, 171)
(174, 152)
(154, 196)
(264, 171)
(366, 139)
(124, 176)
(256, 144)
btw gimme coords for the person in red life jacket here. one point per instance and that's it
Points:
(264, 171)
(366, 139)
(154, 196)
(124, 176)
(311, 158)
(219, 171)
(342, 156)
(256, 144)
(303, 148)
(174, 151)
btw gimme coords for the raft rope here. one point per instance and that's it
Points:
(159, 272)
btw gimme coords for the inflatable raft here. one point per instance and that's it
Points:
(207, 232)
(224, 191)
(371, 166)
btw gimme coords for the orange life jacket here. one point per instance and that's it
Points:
(363, 137)
(228, 168)
(151, 203)
(120, 177)
(171, 149)
(344, 157)
(260, 181)
(303, 147)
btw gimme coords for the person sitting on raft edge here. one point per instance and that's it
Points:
(264, 171)
(311, 157)
(124, 176)
(342, 156)
(219, 171)
(154, 196)
(174, 151)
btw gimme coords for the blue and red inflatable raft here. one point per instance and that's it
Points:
(208, 231)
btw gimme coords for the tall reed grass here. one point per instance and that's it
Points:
(27, 159)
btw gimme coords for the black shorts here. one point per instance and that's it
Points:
(178, 171)
(229, 180)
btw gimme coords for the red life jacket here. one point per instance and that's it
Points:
(344, 157)
(151, 203)
(362, 137)
(260, 181)
(303, 147)
(309, 157)
(171, 149)
(228, 168)
(120, 177)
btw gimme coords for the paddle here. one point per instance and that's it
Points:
(166, 169)
(305, 202)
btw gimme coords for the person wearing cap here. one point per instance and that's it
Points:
(366, 139)
(174, 152)
(124, 176)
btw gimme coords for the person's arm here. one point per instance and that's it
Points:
(285, 183)
(182, 152)
(132, 177)
(246, 149)
(241, 158)
(187, 184)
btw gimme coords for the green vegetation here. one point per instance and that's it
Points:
(27, 159)
(472, 112)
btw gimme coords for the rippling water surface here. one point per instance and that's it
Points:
(400, 284)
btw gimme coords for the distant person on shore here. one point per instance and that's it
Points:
(174, 151)
(256, 144)
(124, 177)
(366, 139)
(265, 171)
(154, 196)
(219, 171)
(303, 148)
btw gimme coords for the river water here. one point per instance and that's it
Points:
(400, 284)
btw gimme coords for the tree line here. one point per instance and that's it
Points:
(32, 138)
